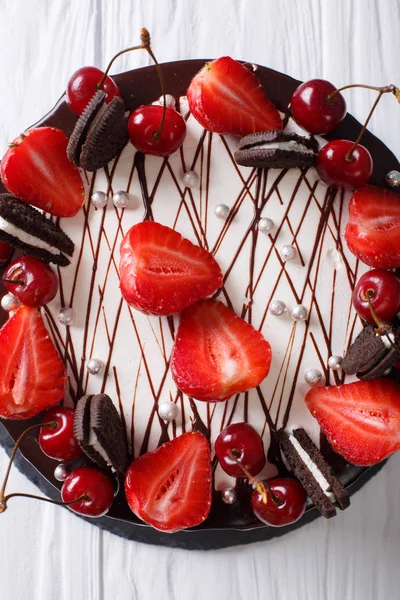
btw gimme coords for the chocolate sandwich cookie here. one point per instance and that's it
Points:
(276, 150)
(100, 133)
(101, 433)
(29, 230)
(313, 472)
(373, 353)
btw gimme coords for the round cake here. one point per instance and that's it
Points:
(277, 235)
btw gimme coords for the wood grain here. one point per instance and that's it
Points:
(47, 553)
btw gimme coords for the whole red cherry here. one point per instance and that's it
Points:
(31, 280)
(240, 443)
(96, 485)
(336, 167)
(144, 123)
(285, 507)
(383, 289)
(313, 110)
(59, 442)
(82, 86)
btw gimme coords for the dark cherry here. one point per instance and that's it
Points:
(240, 443)
(144, 123)
(6, 251)
(313, 110)
(338, 165)
(31, 280)
(82, 86)
(59, 442)
(97, 486)
(383, 288)
(287, 505)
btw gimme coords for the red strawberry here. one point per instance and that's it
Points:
(217, 354)
(225, 97)
(36, 169)
(32, 375)
(373, 230)
(361, 420)
(170, 488)
(162, 273)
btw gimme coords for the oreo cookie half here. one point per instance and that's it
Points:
(29, 230)
(372, 353)
(100, 433)
(100, 133)
(313, 472)
(276, 150)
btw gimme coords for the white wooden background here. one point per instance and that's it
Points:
(48, 553)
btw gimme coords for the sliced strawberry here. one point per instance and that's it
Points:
(361, 420)
(373, 230)
(225, 97)
(36, 169)
(170, 488)
(217, 354)
(162, 273)
(32, 375)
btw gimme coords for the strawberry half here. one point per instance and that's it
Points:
(217, 354)
(162, 273)
(32, 375)
(36, 169)
(170, 488)
(361, 420)
(225, 97)
(373, 230)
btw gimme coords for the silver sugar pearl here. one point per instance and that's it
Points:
(393, 178)
(191, 179)
(121, 199)
(66, 316)
(95, 366)
(335, 362)
(287, 252)
(168, 411)
(61, 472)
(10, 303)
(229, 495)
(277, 308)
(265, 225)
(99, 199)
(313, 377)
(169, 101)
(222, 211)
(299, 313)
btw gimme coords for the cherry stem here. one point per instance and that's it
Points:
(262, 487)
(382, 326)
(3, 502)
(16, 281)
(385, 89)
(145, 45)
(52, 424)
(349, 155)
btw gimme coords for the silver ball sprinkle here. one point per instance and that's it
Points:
(10, 303)
(168, 411)
(95, 366)
(61, 472)
(335, 362)
(313, 377)
(299, 313)
(222, 211)
(191, 179)
(229, 496)
(170, 101)
(393, 178)
(66, 316)
(287, 252)
(277, 308)
(99, 199)
(265, 225)
(121, 199)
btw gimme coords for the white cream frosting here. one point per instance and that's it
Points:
(25, 237)
(312, 467)
(95, 443)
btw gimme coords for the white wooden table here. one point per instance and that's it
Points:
(47, 552)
